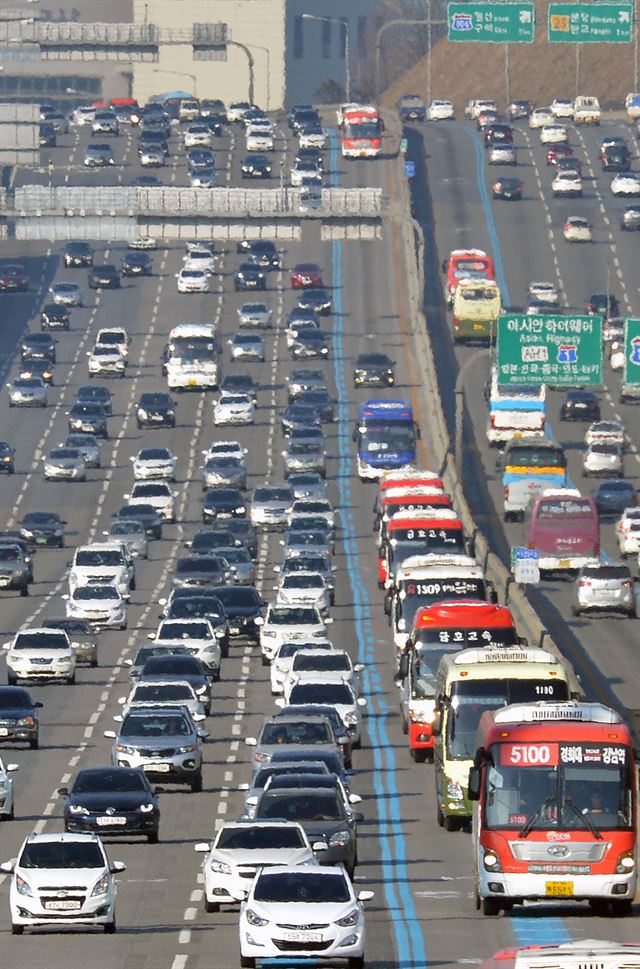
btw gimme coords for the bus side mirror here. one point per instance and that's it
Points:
(474, 784)
(493, 595)
(354, 436)
(387, 604)
(436, 726)
(403, 667)
(443, 267)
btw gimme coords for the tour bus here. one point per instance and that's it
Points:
(361, 132)
(587, 954)
(385, 437)
(564, 526)
(423, 582)
(445, 627)
(476, 307)
(530, 466)
(191, 358)
(554, 818)
(515, 410)
(401, 501)
(466, 264)
(430, 531)
(468, 683)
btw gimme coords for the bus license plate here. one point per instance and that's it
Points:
(565, 563)
(558, 889)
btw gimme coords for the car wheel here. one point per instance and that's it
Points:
(440, 816)
(71, 679)
(132, 585)
(356, 962)
(451, 824)
(16, 929)
(153, 838)
(24, 591)
(265, 660)
(196, 784)
(490, 906)
(211, 906)
(418, 755)
(246, 962)
(110, 927)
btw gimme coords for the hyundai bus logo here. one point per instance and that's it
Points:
(558, 851)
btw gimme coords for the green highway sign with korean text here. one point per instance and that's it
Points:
(631, 374)
(590, 23)
(492, 23)
(565, 351)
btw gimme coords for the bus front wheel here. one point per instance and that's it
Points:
(490, 906)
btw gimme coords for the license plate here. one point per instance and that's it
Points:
(4, 732)
(303, 937)
(565, 563)
(41, 540)
(63, 904)
(558, 889)
(478, 326)
(160, 768)
(103, 822)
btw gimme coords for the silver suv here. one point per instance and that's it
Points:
(605, 586)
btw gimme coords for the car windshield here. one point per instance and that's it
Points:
(62, 854)
(88, 592)
(174, 664)
(260, 837)
(111, 781)
(331, 661)
(292, 616)
(14, 698)
(301, 886)
(158, 725)
(299, 732)
(127, 528)
(311, 806)
(161, 692)
(333, 693)
(273, 494)
(41, 641)
(89, 558)
(302, 582)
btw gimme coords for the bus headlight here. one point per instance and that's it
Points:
(625, 863)
(491, 861)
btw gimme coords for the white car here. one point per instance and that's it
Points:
(562, 108)
(567, 183)
(553, 134)
(617, 355)
(82, 115)
(155, 493)
(603, 457)
(115, 338)
(314, 688)
(192, 281)
(40, 654)
(247, 346)
(62, 879)
(100, 605)
(102, 562)
(281, 663)
(242, 848)
(6, 789)
(627, 530)
(198, 135)
(335, 666)
(65, 464)
(305, 170)
(577, 229)
(502, 155)
(314, 506)
(626, 183)
(106, 361)
(312, 138)
(226, 449)
(154, 462)
(288, 908)
(610, 431)
(66, 294)
(254, 314)
(200, 258)
(284, 622)
(540, 117)
(28, 392)
(159, 692)
(198, 636)
(258, 139)
(545, 292)
(440, 111)
(234, 409)
(308, 588)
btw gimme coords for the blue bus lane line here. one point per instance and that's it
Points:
(407, 933)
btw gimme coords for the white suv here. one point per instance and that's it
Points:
(103, 562)
(62, 879)
(40, 654)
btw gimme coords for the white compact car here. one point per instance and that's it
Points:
(234, 409)
(65, 464)
(553, 134)
(158, 692)
(28, 392)
(627, 530)
(626, 183)
(605, 458)
(254, 314)
(6, 789)
(284, 622)
(288, 908)
(106, 361)
(610, 431)
(40, 654)
(259, 139)
(198, 636)
(154, 462)
(312, 138)
(316, 688)
(192, 281)
(502, 155)
(198, 136)
(577, 229)
(440, 111)
(155, 493)
(567, 183)
(62, 879)
(307, 588)
(540, 117)
(333, 666)
(241, 849)
(100, 605)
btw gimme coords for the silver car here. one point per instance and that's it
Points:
(87, 444)
(154, 462)
(28, 392)
(606, 587)
(310, 562)
(84, 642)
(66, 294)
(254, 314)
(241, 566)
(603, 457)
(304, 378)
(133, 536)
(65, 464)
(270, 506)
(304, 456)
(225, 471)
(247, 346)
(152, 156)
(306, 588)
(98, 156)
(307, 484)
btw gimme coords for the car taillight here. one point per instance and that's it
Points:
(627, 584)
(584, 584)
(492, 420)
(505, 493)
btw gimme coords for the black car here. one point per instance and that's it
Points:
(112, 801)
(299, 415)
(136, 263)
(239, 383)
(104, 277)
(48, 137)
(153, 139)
(39, 346)
(373, 370)
(37, 367)
(304, 118)
(54, 317)
(155, 409)
(90, 418)
(223, 503)
(242, 606)
(147, 181)
(250, 276)
(7, 458)
(507, 188)
(244, 532)
(198, 158)
(213, 122)
(616, 159)
(18, 715)
(78, 254)
(147, 515)
(181, 667)
(497, 134)
(311, 344)
(256, 166)
(209, 539)
(603, 304)
(613, 496)
(580, 405)
(43, 528)
(263, 253)
(321, 401)
(317, 300)
(95, 394)
(519, 110)
(630, 220)
(312, 156)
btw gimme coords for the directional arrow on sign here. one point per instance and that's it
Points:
(623, 17)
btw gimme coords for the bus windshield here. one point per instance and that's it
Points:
(378, 438)
(545, 786)
(427, 541)
(192, 349)
(424, 666)
(362, 129)
(471, 698)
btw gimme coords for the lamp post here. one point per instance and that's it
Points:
(267, 52)
(282, 134)
(345, 24)
(402, 22)
(192, 77)
(249, 56)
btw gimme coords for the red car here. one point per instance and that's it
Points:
(306, 275)
(558, 151)
(13, 278)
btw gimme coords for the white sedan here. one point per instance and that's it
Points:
(603, 457)
(101, 605)
(626, 183)
(440, 111)
(156, 493)
(259, 139)
(544, 292)
(6, 789)
(553, 134)
(234, 409)
(312, 138)
(540, 117)
(285, 622)
(226, 449)
(611, 431)
(247, 346)
(192, 281)
(295, 897)
(307, 588)
(254, 314)
(198, 136)
(66, 294)
(562, 107)
(200, 259)
(567, 183)
(154, 462)
(577, 229)
(106, 361)
(627, 530)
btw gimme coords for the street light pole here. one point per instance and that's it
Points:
(402, 22)
(345, 24)
(243, 47)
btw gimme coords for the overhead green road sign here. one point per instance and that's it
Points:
(492, 23)
(565, 351)
(631, 372)
(591, 23)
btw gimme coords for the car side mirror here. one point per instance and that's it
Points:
(63, 792)
(38, 704)
(354, 799)
(202, 847)
(359, 668)
(361, 701)
(251, 741)
(111, 734)
(159, 790)
(7, 866)
(116, 867)
(436, 726)
(365, 896)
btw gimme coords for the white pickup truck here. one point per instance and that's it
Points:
(586, 110)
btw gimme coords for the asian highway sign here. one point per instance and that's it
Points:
(564, 351)
(631, 373)
(590, 23)
(492, 23)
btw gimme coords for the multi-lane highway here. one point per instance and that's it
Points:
(423, 909)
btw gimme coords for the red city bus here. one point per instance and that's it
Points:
(555, 813)
(409, 499)
(564, 526)
(445, 627)
(361, 132)
(466, 264)
(433, 531)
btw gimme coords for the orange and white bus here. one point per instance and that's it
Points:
(361, 132)
(443, 628)
(430, 531)
(554, 818)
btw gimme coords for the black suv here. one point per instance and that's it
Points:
(7, 458)
(54, 317)
(18, 715)
(155, 410)
(38, 346)
(104, 277)
(78, 254)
